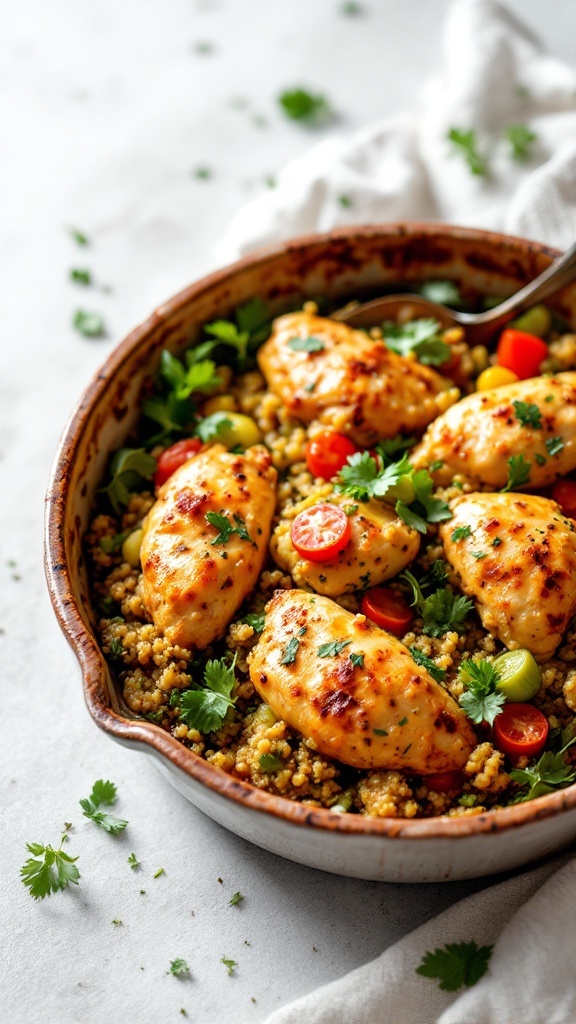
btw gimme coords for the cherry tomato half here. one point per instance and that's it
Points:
(443, 782)
(320, 532)
(520, 730)
(564, 492)
(521, 352)
(172, 458)
(327, 452)
(387, 609)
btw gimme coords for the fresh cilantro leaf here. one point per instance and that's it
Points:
(480, 700)
(129, 469)
(332, 649)
(465, 144)
(80, 276)
(306, 345)
(91, 325)
(199, 377)
(444, 293)
(178, 967)
(133, 862)
(235, 900)
(228, 333)
(270, 763)
(461, 532)
(552, 771)
(103, 794)
(174, 415)
(253, 317)
(520, 137)
(456, 964)
(518, 472)
(290, 651)
(225, 528)
(357, 660)
(479, 555)
(301, 105)
(358, 476)
(255, 619)
(496, 542)
(206, 709)
(391, 446)
(420, 337)
(212, 427)
(440, 611)
(54, 872)
(384, 485)
(79, 237)
(439, 674)
(241, 528)
(410, 517)
(554, 445)
(434, 509)
(528, 414)
(436, 576)
(230, 964)
(349, 510)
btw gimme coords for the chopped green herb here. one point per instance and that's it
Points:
(444, 293)
(301, 105)
(256, 620)
(332, 649)
(349, 510)
(225, 527)
(130, 468)
(479, 554)
(235, 900)
(351, 9)
(554, 445)
(200, 376)
(518, 472)
(465, 144)
(290, 651)
(55, 871)
(103, 794)
(133, 862)
(528, 414)
(345, 202)
(357, 660)
(461, 532)
(116, 648)
(552, 771)
(79, 237)
(549, 398)
(540, 460)
(422, 337)
(496, 542)
(230, 964)
(160, 871)
(440, 611)
(203, 47)
(306, 344)
(178, 967)
(403, 721)
(481, 701)
(270, 763)
(439, 674)
(468, 800)
(392, 446)
(116, 920)
(205, 709)
(379, 732)
(91, 325)
(80, 276)
(520, 137)
(456, 964)
(202, 173)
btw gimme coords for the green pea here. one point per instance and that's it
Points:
(536, 320)
(520, 676)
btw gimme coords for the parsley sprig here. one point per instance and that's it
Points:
(520, 137)
(55, 870)
(421, 336)
(528, 414)
(441, 610)
(552, 771)
(456, 964)
(518, 472)
(103, 795)
(480, 700)
(205, 709)
(249, 328)
(225, 527)
(466, 144)
(130, 468)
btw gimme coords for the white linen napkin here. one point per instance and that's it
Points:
(493, 75)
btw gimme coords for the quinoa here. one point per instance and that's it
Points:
(152, 672)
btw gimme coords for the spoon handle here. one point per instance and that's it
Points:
(559, 274)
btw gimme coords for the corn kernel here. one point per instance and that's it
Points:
(495, 377)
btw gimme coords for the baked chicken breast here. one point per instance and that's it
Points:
(197, 573)
(326, 371)
(535, 418)
(515, 555)
(355, 690)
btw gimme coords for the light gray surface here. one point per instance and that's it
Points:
(105, 110)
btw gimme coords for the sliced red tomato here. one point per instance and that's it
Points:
(320, 532)
(521, 352)
(520, 730)
(564, 492)
(327, 452)
(387, 609)
(172, 458)
(443, 782)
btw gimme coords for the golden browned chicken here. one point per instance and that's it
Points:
(326, 371)
(478, 435)
(196, 573)
(355, 690)
(381, 545)
(516, 556)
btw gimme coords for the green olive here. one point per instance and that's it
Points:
(131, 548)
(536, 320)
(242, 432)
(403, 490)
(520, 676)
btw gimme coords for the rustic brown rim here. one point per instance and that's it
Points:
(151, 737)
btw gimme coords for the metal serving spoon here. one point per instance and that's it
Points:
(479, 326)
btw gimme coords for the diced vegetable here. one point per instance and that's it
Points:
(131, 548)
(443, 782)
(242, 432)
(564, 492)
(495, 377)
(521, 352)
(387, 609)
(536, 320)
(520, 730)
(328, 452)
(319, 533)
(174, 457)
(519, 675)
